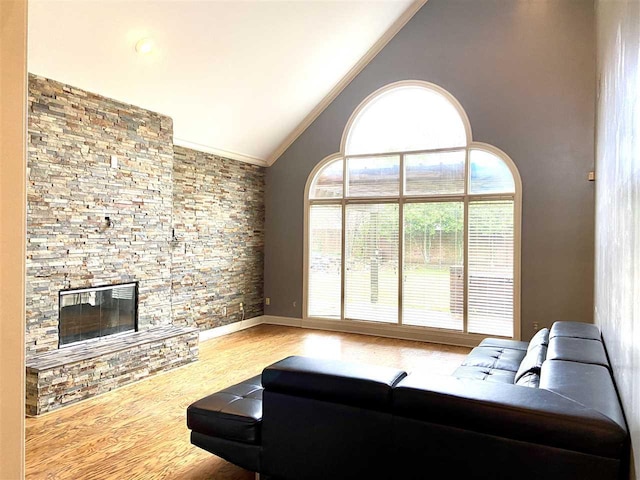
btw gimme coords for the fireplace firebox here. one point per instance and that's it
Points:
(92, 313)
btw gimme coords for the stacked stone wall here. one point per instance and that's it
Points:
(59, 378)
(91, 157)
(74, 185)
(218, 215)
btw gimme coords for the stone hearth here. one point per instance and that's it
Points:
(62, 377)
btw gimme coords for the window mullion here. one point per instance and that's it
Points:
(401, 239)
(492, 197)
(465, 245)
(434, 198)
(430, 150)
(345, 173)
(328, 201)
(370, 200)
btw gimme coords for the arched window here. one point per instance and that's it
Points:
(413, 223)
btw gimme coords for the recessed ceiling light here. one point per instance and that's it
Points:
(144, 46)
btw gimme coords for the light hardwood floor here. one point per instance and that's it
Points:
(139, 431)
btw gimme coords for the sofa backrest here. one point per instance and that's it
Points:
(576, 406)
(575, 330)
(327, 419)
(577, 368)
(532, 415)
(577, 342)
(365, 386)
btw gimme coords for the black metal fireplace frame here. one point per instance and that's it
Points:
(69, 291)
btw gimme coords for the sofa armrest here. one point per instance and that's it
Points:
(348, 383)
(509, 411)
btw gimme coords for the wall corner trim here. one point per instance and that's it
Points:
(13, 201)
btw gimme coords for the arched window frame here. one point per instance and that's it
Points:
(400, 329)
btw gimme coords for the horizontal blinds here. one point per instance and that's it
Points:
(491, 268)
(325, 247)
(440, 288)
(436, 173)
(433, 273)
(373, 176)
(371, 262)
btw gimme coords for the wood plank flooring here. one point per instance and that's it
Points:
(139, 431)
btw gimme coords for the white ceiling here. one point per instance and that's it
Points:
(239, 78)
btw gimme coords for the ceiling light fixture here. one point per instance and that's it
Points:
(144, 46)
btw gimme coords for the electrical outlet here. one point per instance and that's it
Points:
(241, 306)
(536, 326)
(267, 301)
(224, 311)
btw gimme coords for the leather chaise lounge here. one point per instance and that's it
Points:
(545, 409)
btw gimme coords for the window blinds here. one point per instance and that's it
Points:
(490, 280)
(325, 246)
(371, 262)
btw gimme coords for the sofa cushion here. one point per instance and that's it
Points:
(498, 358)
(540, 338)
(234, 413)
(575, 330)
(366, 386)
(532, 415)
(529, 379)
(483, 373)
(589, 385)
(532, 362)
(577, 350)
(504, 343)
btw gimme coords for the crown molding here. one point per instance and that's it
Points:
(241, 157)
(346, 80)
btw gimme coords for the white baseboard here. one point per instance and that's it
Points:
(404, 332)
(231, 328)
(285, 321)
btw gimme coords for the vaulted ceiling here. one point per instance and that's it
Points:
(239, 78)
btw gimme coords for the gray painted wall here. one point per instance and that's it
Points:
(525, 73)
(617, 268)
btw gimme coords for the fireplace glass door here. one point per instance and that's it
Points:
(97, 312)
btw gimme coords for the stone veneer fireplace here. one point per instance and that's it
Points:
(112, 201)
(107, 190)
(99, 213)
(97, 312)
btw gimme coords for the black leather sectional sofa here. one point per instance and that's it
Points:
(513, 410)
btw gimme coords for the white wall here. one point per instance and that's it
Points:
(13, 82)
(617, 269)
